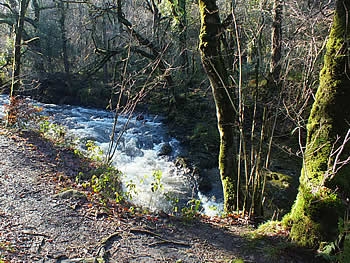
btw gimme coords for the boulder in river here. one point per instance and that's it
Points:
(166, 149)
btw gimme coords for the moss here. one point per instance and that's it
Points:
(227, 168)
(270, 228)
(216, 70)
(204, 135)
(305, 232)
(208, 14)
(279, 179)
(280, 193)
(345, 255)
(314, 217)
(229, 189)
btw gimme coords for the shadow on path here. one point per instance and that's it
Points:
(38, 226)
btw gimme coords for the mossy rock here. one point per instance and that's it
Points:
(279, 179)
(281, 191)
(165, 150)
(208, 180)
(182, 162)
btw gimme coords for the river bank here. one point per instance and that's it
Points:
(37, 225)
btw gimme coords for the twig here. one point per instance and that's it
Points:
(111, 236)
(144, 231)
(32, 233)
(101, 251)
(166, 241)
(162, 240)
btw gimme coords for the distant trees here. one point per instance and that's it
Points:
(179, 12)
(67, 33)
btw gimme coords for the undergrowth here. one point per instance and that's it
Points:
(106, 181)
(20, 113)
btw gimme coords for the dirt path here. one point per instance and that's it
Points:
(37, 225)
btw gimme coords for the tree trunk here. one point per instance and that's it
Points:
(16, 69)
(276, 44)
(64, 36)
(36, 47)
(106, 46)
(182, 27)
(318, 207)
(155, 21)
(11, 115)
(214, 66)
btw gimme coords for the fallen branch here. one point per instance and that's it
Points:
(162, 240)
(144, 231)
(166, 241)
(108, 239)
(102, 247)
(32, 233)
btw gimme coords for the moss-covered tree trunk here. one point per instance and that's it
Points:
(316, 212)
(215, 68)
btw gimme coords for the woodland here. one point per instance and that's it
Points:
(258, 88)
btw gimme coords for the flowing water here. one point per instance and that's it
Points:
(140, 154)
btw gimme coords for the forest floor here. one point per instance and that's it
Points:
(42, 219)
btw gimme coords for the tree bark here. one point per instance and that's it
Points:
(180, 14)
(64, 39)
(36, 47)
(16, 69)
(156, 20)
(106, 46)
(318, 207)
(276, 42)
(182, 26)
(215, 68)
(11, 115)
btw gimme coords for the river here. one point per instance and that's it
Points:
(144, 149)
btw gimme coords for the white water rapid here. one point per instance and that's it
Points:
(139, 154)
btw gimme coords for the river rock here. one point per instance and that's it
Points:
(145, 142)
(166, 149)
(133, 152)
(209, 182)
